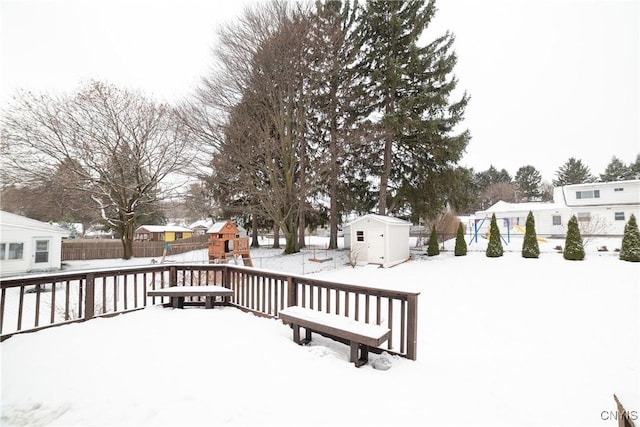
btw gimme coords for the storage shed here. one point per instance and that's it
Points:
(378, 239)
(28, 245)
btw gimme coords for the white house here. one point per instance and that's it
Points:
(28, 245)
(378, 239)
(602, 208)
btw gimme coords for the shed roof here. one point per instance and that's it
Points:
(382, 218)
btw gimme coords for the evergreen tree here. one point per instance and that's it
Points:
(491, 176)
(494, 248)
(528, 183)
(410, 86)
(630, 250)
(433, 249)
(635, 168)
(573, 172)
(461, 244)
(616, 171)
(530, 247)
(573, 247)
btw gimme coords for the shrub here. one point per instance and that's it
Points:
(530, 248)
(494, 248)
(433, 249)
(630, 249)
(461, 245)
(573, 247)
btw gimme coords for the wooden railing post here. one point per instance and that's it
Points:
(292, 292)
(412, 326)
(226, 277)
(173, 276)
(89, 297)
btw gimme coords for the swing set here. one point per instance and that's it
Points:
(477, 226)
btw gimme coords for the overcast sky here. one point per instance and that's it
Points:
(548, 79)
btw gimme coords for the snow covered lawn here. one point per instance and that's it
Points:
(502, 342)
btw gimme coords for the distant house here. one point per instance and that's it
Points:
(602, 208)
(161, 233)
(28, 245)
(378, 239)
(201, 226)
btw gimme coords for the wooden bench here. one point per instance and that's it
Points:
(360, 335)
(178, 294)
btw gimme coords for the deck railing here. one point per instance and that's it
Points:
(30, 303)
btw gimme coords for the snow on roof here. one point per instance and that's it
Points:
(382, 218)
(163, 228)
(502, 206)
(202, 223)
(18, 221)
(215, 228)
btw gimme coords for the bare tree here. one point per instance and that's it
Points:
(252, 111)
(120, 146)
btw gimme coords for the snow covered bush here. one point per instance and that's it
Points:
(494, 248)
(530, 248)
(461, 245)
(433, 249)
(573, 246)
(630, 249)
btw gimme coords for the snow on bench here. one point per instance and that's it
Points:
(178, 293)
(360, 335)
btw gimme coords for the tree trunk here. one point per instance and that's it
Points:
(127, 240)
(301, 230)
(276, 236)
(291, 237)
(254, 231)
(384, 178)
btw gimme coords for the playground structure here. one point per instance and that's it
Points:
(225, 244)
(476, 228)
(522, 230)
(479, 222)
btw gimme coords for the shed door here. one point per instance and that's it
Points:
(375, 248)
(41, 256)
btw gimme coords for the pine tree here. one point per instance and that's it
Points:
(494, 248)
(433, 249)
(528, 182)
(573, 172)
(530, 247)
(616, 171)
(573, 247)
(461, 244)
(411, 86)
(630, 250)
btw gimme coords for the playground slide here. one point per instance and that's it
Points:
(522, 230)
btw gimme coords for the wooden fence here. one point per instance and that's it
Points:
(84, 249)
(35, 302)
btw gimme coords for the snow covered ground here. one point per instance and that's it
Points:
(502, 342)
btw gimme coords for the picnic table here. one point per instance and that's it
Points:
(177, 294)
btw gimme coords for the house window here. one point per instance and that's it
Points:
(178, 235)
(618, 189)
(11, 250)
(42, 251)
(590, 194)
(360, 236)
(556, 220)
(584, 216)
(619, 216)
